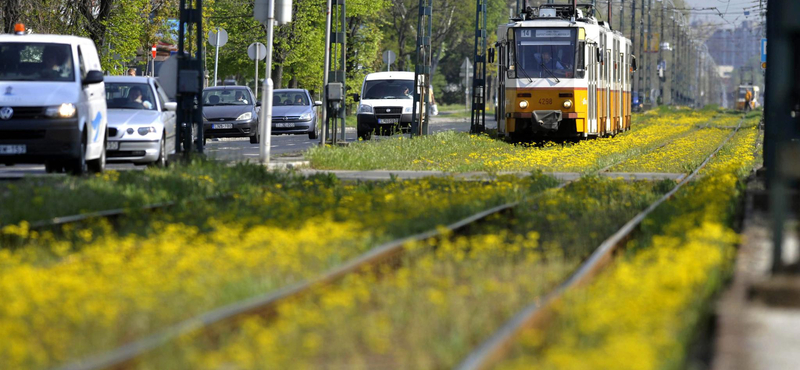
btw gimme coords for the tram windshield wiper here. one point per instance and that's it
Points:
(516, 65)
(550, 72)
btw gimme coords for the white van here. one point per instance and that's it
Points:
(386, 102)
(52, 103)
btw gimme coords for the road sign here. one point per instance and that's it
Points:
(389, 57)
(217, 38)
(763, 50)
(214, 40)
(256, 50)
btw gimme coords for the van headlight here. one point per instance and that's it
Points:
(245, 116)
(306, 116)
(407, 110)
(66, 110)
(365, 109)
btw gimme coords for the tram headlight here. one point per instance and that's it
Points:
(567, 104)
(523, 104)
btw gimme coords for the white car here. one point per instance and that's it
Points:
(141, 121)
(52, 109)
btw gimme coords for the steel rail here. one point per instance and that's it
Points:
(111, 213)
(267, 302)
(653, 149)
(495, 347)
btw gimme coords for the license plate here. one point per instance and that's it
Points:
(112, 145)
(388, 120)
(13, 149)
(284, 124)
(222, 126)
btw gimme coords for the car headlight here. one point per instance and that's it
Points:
(146, 130)
(523, 104)
(245, 116)
(365, 109)
(567, 104)
(407, 110)
(66, 110)
(306, 116)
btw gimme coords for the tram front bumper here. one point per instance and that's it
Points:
(540, 120)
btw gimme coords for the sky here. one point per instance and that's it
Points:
(733, 10)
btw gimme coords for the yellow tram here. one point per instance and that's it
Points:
(562, 73)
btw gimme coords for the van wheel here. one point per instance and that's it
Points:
(53, 167)
(98, 165)
(78, 166)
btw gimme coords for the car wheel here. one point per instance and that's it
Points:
(161, 161)
(78, 166)
(255, 139)
(312, 135)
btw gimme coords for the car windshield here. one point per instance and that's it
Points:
(227, 97)
(129, 96)
(23, 61)
(388, 89)
(289, 98)
(544, 53)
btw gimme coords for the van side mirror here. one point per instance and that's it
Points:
(356, 98)
(171, 106)
(491, 55)
(93, 77)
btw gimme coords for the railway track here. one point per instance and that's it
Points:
(535, 315)
(125, 355)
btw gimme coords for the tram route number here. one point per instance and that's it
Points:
(545, 101)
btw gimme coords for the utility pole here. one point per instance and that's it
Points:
(648, 82)
(641, 55)
(634, 81)
(661, 62)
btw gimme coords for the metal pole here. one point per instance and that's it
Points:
(255, 91)
(342, 27)
(326, 68)
(216, 58)
(264, 145)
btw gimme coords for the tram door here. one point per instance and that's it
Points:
(592, 117)
(500, 107)
(609, 87)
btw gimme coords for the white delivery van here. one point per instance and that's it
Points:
(52, 103)
(386, 103)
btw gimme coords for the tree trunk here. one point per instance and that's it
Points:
(10, 11)
(277, 76)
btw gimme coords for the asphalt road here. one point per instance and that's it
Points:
(235, 150)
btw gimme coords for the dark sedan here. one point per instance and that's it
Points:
(230, 111)
(293, 112)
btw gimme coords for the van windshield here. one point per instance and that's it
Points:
(23, 61)
(388, 89)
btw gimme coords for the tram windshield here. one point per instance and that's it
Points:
(543, 53)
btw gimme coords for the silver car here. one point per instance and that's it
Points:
(141, 121)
